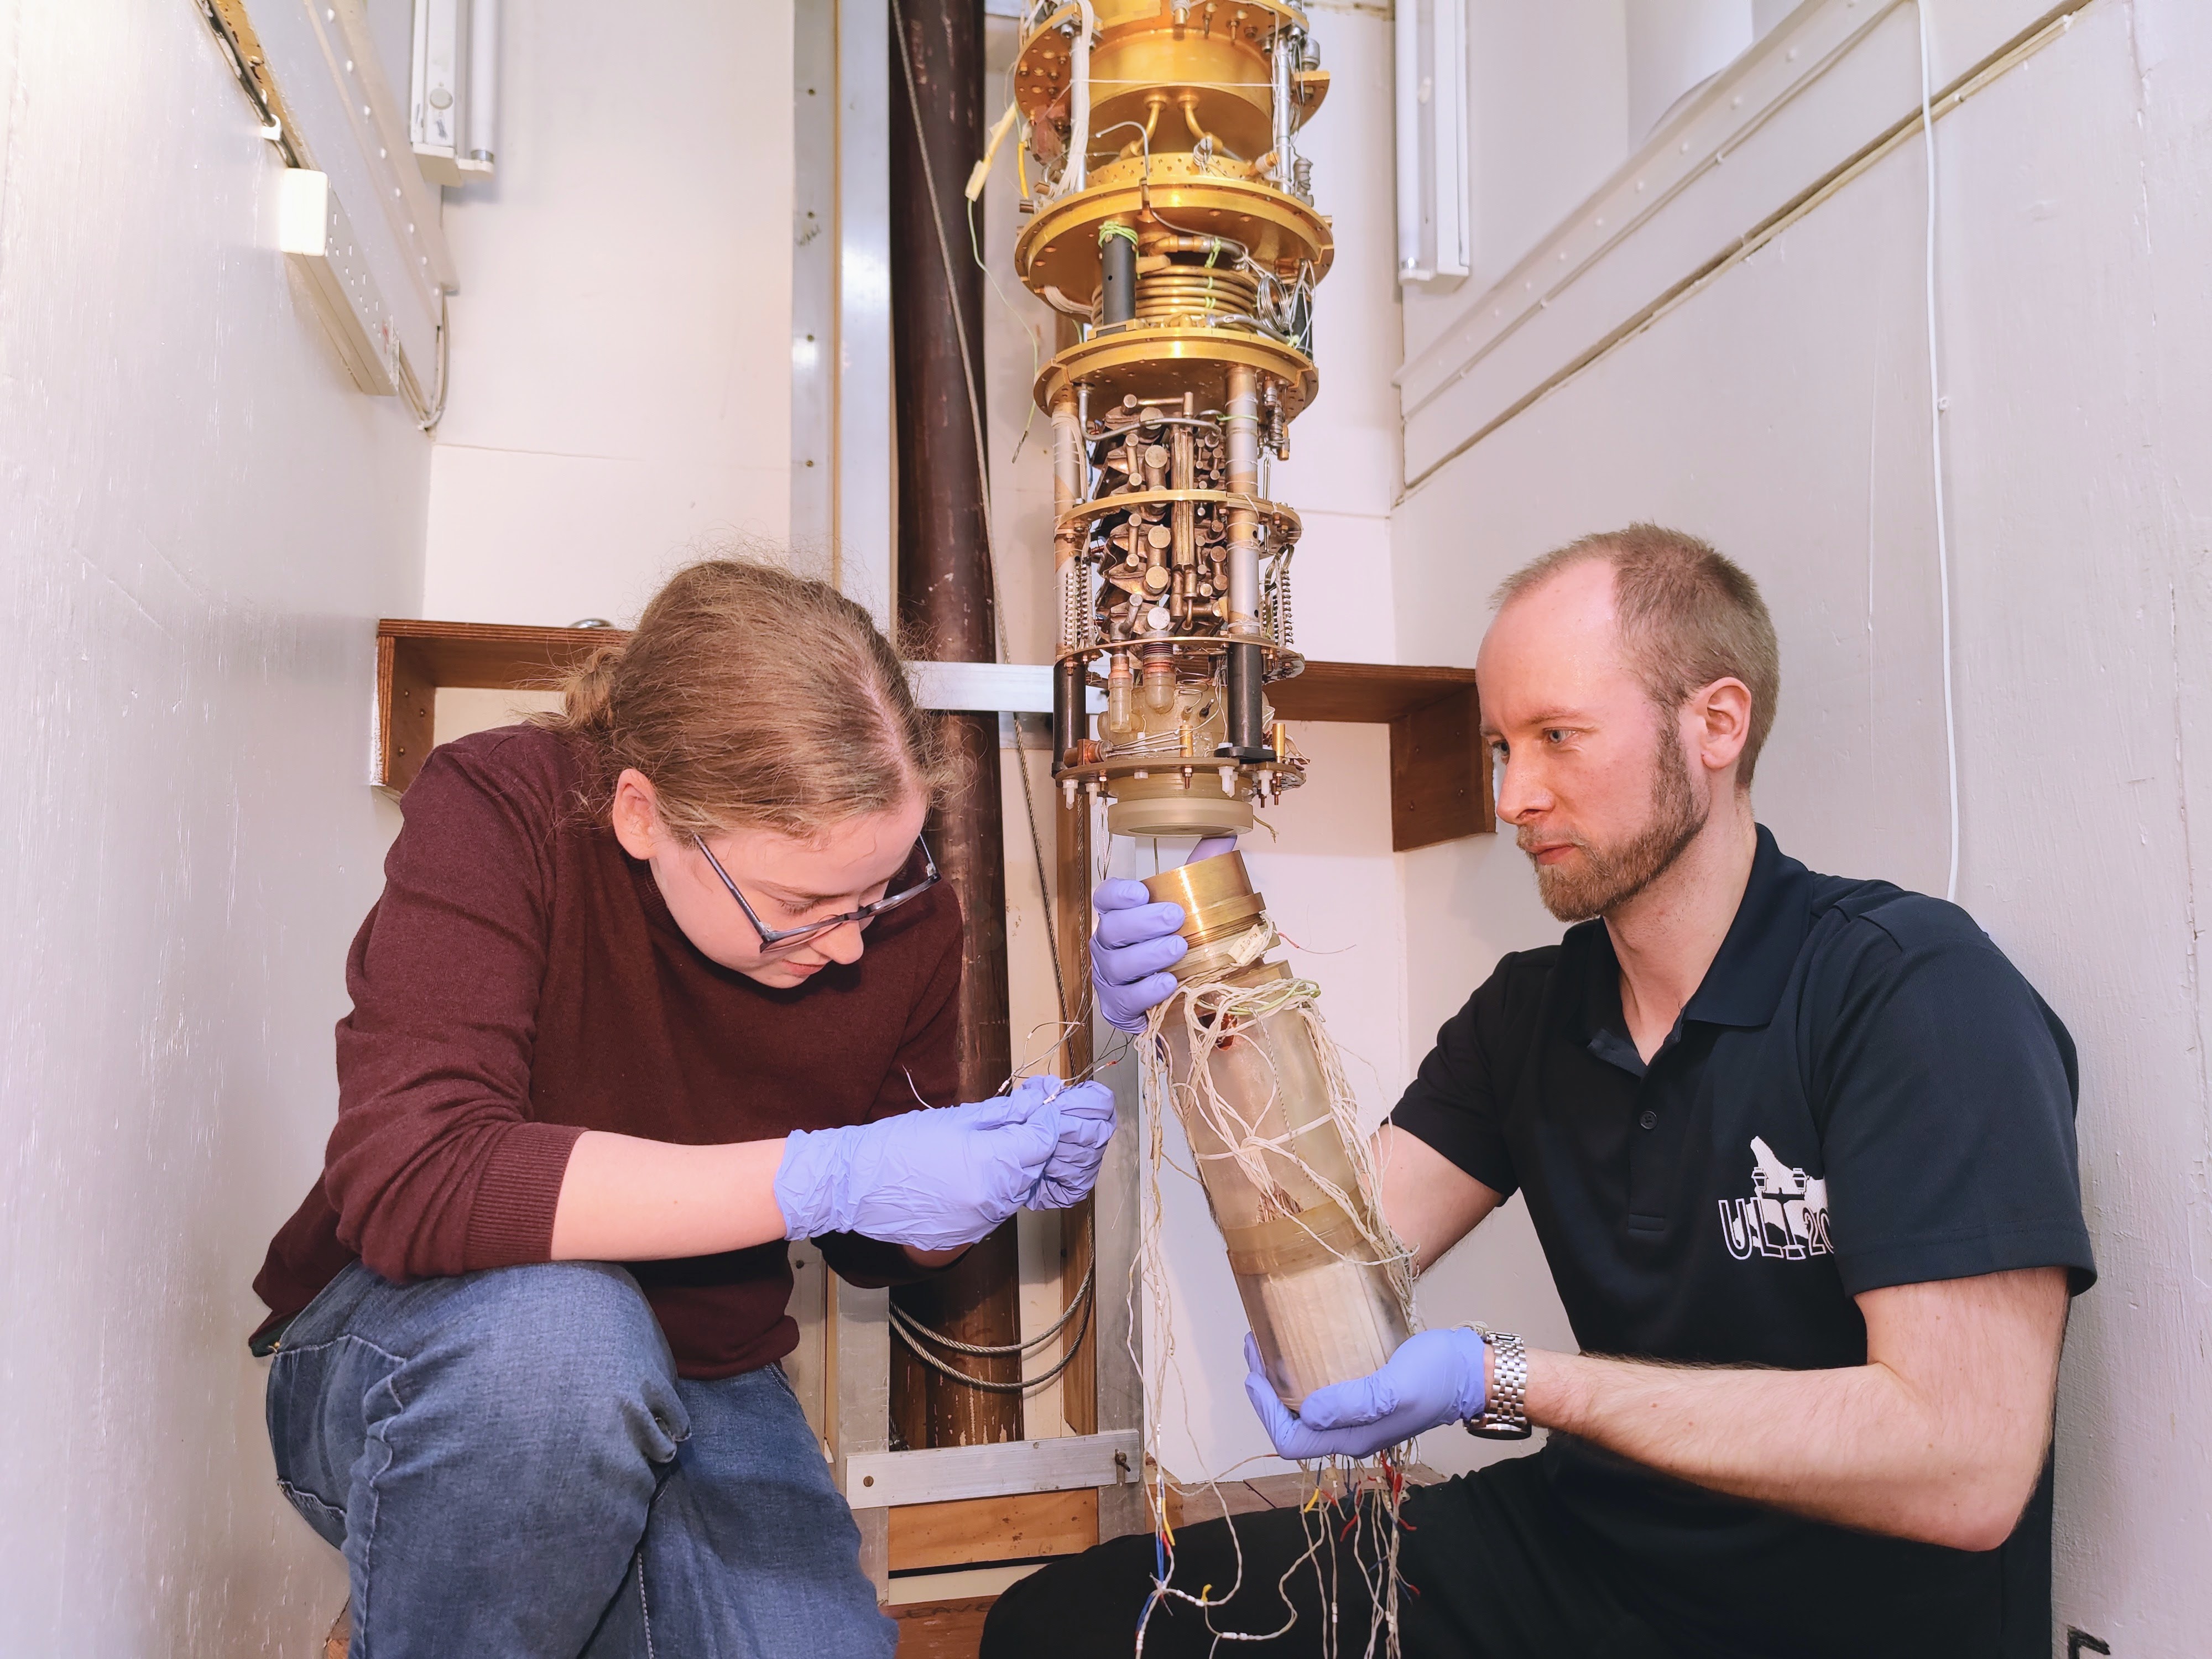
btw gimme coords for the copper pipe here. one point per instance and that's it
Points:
(945, 588)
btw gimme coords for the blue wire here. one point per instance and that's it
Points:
(1159, 1583)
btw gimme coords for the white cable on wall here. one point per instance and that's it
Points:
(1936, 402)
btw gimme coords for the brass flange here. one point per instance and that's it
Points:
(1147, 360)
(1060, 247)
(1217, 54)
(1282, 662)
(1215, 895)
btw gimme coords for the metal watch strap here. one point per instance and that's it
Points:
(1504, 1414)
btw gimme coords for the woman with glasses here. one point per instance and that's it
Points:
(656, 984)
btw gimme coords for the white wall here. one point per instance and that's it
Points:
(1783, 413)
(201, 520)
(621, 359)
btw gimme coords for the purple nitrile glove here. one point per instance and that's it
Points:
(1086, 1124)
(934, 1179)
(1135, 947)
(1434, 1377)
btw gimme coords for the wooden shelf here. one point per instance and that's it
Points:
(1365, 693)
(1439, 772)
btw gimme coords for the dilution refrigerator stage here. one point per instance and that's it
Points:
(1175, 222)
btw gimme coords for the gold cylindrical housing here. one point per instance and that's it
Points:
(1215, 895)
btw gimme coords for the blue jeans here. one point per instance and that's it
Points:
(512, 1468)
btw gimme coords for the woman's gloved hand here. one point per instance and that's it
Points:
(1434, 1377)
(1086, 1124)
(946, 1177)
(1131, 952)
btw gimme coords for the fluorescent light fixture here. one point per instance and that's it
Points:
(1435, 232)
(453, 110)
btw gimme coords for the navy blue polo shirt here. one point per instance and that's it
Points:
(1863, 1092)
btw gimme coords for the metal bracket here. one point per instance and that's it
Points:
(883, 1479)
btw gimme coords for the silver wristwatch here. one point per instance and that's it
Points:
(1504, 1414)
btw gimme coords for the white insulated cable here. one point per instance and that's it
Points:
(1935, 430)
(1077, 174)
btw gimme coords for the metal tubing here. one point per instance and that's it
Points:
(1069, 718)
(1285, 50)
(1242, 424)
(1071, 907)
(1247, 738)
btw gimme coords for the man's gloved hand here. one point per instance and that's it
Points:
(1434, 1377)
(1086, 1124)
(946, 1176)
(1135, 947)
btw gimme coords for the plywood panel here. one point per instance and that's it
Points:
(977, 1529)
(942, 1630)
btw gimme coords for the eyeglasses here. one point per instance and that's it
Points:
(771, 937)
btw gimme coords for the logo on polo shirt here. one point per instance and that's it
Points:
(1786, 1215)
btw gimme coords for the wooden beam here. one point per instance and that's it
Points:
(407, 712)
(1439, 774)
(975, 1531)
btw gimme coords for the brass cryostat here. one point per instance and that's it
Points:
(1174, 221)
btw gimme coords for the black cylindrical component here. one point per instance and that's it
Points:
(1248, 724)
(1068, 713)
(1117, 275)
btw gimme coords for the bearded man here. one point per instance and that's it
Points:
(1800, 1151)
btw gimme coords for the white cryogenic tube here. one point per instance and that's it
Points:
(1242, 424)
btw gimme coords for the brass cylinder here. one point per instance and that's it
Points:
(1215, 895)
(1322, 1307)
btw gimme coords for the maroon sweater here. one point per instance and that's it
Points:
(520, 982)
